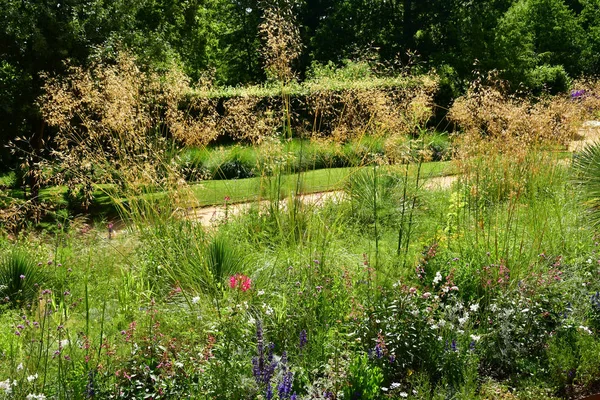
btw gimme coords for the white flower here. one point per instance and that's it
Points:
(464, 319)
(179, 364)
(20, 367)
(442, 322)
(438, 278)
(475, 338)
(434, 327)
(589, 260)
(403, 394)
(474, 307)
(585, 329)
(494, 308)
(384, 389)
(268, 309)
(260, 292)
(195, 300)
(64, 342)
(32, 378)
(6, 386)
(525, 310)
(394, 385)
(36, 397)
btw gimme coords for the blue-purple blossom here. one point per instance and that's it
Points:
(303, 339)
(577, 94)
(285, 386)
(263, 368)
(378, 351)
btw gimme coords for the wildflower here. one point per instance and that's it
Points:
(195, 299)
(32, 378)
(303, 339)
(412, 290)
(577, 94)
(585, 329)
(260, 292)
(5, 386)
(426, 295)
(35, 397)
(263, 367)
(438, 278)
(378, 350)
(403, 394)
(474, 307)
(20, 367)
(284, 389)
(22, 276)
(454, 348)
(394, 385)
(475, 338)
(241, 282)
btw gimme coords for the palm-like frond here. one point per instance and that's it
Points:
(586, 166)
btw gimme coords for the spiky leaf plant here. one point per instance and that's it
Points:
(221, 260)
(586, 165)
(20, 279)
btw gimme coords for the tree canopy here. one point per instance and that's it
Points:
(535, 43)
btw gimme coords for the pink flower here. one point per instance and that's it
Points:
(426, 295)
(241, 282)
(413, 290)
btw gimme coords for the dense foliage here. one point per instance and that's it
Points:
(535, 42)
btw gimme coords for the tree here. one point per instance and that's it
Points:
(538, 33)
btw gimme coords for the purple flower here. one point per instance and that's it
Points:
(263, 367)
(577, 94)
(285, 386)
(303, 339)
(378, 351)
(454, 345)
(22, 276)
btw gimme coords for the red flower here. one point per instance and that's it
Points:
(241, 282)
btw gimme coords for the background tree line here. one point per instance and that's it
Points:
(534, 43)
